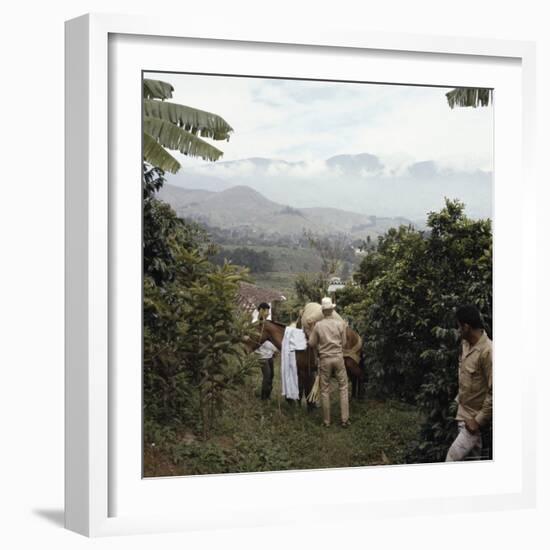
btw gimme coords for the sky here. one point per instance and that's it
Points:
(422, 150)
(314, 120)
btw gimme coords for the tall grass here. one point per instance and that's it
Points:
(262, 436)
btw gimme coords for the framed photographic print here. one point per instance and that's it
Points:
(289, 270)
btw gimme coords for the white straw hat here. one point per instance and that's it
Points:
(326, 303)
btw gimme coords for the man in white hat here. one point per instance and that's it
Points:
(329, 338)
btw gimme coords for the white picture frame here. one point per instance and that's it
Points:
(104, 493)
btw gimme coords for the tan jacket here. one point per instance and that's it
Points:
(329, 337)
(475, 381)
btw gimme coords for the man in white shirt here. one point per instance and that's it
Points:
(266, 352)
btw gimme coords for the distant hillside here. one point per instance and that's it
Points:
(243, 207)
(178, 197)
(361, 183)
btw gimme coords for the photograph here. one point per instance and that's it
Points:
(317, 274)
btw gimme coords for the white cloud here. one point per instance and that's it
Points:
(312, 121)
(308, 169)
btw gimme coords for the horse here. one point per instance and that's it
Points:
(306, 364)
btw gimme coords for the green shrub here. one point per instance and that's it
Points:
(410, 286)
(192, 329)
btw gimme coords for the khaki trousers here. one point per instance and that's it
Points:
(328, 366)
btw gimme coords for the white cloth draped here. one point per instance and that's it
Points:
(293, 339)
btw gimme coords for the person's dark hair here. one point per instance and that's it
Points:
(469, 315)
(263, 305)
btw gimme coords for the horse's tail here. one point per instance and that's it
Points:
(362, 365)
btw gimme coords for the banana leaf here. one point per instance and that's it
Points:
(157, 89)
(173, 137)
(156, 155)
(194, 121)
(469, 97)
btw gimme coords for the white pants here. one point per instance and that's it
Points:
(466, 445)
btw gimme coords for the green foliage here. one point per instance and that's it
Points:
(311, 287)
(256, 262)
(177, 127)
(469, 97)
(346, 297)
(194, 121)
(193, 333)
(171, 136)
(259, 436)
(155, 154)
(409, 288)
(287, 311)
(157, 89)
(245, 454)
(332, 251)
(345, 271)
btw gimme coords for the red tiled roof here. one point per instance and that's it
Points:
(251, 295)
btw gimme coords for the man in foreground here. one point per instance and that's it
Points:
(328, 337)
(475, 385)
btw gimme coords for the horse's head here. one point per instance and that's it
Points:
(259, 334)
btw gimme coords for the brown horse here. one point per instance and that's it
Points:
(305, 359)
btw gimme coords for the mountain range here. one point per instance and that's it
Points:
(241, 207)
(360, 183)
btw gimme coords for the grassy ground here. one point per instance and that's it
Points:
(256, 436)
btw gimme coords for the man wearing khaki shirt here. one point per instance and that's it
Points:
(475, 385)
(329, 338)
